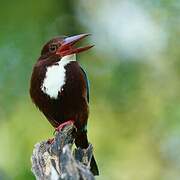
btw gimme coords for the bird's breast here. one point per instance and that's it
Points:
(55, 78)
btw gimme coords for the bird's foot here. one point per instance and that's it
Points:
(61, 126)
(50, 141)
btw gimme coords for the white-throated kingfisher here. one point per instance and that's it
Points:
(59, 87)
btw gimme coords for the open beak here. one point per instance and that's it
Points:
(67, 47)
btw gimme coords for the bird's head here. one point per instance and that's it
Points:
(63, 46)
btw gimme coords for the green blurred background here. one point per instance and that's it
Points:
(134, 73)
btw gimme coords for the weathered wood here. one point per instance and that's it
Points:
(55, 161)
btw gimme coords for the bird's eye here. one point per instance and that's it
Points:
(53, 48)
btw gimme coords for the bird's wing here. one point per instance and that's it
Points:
(87, 83)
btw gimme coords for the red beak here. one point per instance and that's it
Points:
(67, 47)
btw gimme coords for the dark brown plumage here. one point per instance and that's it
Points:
(71, 102)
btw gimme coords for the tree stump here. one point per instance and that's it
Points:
(58, 161)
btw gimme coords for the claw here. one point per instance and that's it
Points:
(61, 126)
(50, 141)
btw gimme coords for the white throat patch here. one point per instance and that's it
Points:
(56, 76)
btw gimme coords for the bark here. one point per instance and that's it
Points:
(58, 161)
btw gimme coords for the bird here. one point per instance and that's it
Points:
(59, 87)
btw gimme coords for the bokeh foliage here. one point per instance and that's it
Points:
(134, 101)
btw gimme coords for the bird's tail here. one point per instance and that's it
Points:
(82, 142)
(94, 168)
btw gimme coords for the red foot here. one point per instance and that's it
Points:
(50, 141)
(61, 126)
